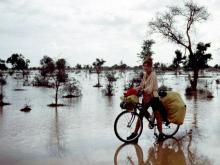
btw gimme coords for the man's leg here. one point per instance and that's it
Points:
(155, 103)
(159, 120)
(142, 113)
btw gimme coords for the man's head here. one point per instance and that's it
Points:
(147, 64)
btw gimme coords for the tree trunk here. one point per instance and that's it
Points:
(1, 99)
(1, 92)
(176, 72)
(98, 80)
(195, 79)
(1, 96)
(56, 94)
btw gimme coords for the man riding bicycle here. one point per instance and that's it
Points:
(149, 87)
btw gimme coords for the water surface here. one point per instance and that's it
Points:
(82, 131)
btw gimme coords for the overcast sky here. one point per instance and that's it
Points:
(82, 30)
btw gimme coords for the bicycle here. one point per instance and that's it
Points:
(168, 149)
(129, 153)
(125, 123)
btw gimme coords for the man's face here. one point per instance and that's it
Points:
(147, 67)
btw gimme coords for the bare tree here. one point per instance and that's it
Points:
(166, 24)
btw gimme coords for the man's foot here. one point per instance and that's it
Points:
(151, 124)
(132, 137)
(167, 122)
(160, 137)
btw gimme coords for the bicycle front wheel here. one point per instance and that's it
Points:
(125, 124)
(129, 153)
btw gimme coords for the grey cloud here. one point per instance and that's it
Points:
(25, 18)
(112, 21)
(108, 20)
(5, 1)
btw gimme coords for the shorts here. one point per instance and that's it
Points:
(156, 106)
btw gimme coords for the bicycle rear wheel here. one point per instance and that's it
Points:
(125, 124)
(170, 129)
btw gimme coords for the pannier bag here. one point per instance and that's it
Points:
(129, 102)
(129, 99)
(174, 106)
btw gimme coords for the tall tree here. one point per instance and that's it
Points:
(18, 62)
(198, 61)
(146, 49)
(47, 66)
(180, 32)
(59, 76)
(98, 67)
(2, 65)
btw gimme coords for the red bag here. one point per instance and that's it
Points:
(130, 91)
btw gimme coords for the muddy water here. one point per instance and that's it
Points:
(82, 131)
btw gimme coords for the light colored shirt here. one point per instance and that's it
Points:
(149, 84)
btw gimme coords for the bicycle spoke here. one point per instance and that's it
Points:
(125, 125)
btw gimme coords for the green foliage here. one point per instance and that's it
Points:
(110, 76)
(61, 64)
(59, 74)
(47, 66)
(98, 67)
(176, 25)
(178, 59)
(2, 80)
(146, 49)
(2, 65)
(98, 64)
(122, 66)
(79, 66)
(199, 60)
(72, 88)
(156, 65)
(18, 62)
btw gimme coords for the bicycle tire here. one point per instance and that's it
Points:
(129, 153)
(125, 124)
(169, 130)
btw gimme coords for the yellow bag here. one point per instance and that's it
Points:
(174, 106)
(130, 100)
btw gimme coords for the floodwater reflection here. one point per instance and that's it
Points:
(167, 152)
(56, 147)
(170, 151)
(129, 154)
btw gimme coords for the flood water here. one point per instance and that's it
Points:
(82, 132)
